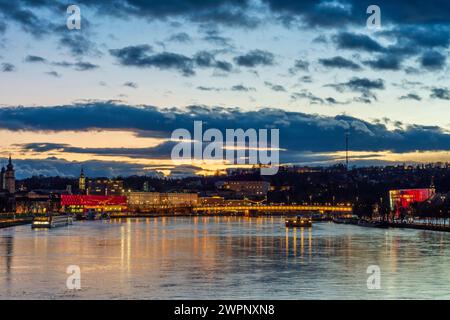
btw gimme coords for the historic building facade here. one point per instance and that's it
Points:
(7, 188)
(8, 178)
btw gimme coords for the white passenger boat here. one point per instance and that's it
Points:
(51, 222)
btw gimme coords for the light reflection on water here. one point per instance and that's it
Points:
(222, 258)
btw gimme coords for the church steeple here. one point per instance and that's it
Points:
(10, 165)
(82, 181)
(9, 177)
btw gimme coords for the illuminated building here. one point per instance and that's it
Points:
(179, 199)
(82, 182)
(405, 197)
(212, 201)
(83, 203)
(143, 201)
(37, 202)
(105, 187)
(147, 201)
(245, 188)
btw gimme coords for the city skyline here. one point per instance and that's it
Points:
(109, 95)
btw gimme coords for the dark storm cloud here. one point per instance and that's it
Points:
(78, 66)
(353, 12)
(140, 57)
(299, 65)
(313, 99)
(387, 62)
(2, 27)
(361, 85)
(203, 88)
(440, 93)
(410, 13)
(433, 60)
(312, 13)
(35, 59)
(340, 62)
(131, 84)
(78, 44)
(181, 37)
(54, 74)
(333, 101)
(423, 36)
(242, 88)
(413, 27)
(161, 151)
(214, 37)
(7, 67)
(133, 55)
(207, 59)
(305, 79)
(305, 94)
(275, 87)
(411, 96)
(406, 41)
(242, 13)
(28, 13)
(143, 56)
(361, 42)
(255, 58)
(226, 12)
(23, 13)
(316, 133)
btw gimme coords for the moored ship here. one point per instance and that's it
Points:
(48, 222)
(298, 222)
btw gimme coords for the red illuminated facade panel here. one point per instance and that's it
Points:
(80, 203)
(404, 198)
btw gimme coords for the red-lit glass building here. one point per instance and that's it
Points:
(83, 203)
(404, 198)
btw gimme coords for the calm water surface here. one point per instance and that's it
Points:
(222, 258)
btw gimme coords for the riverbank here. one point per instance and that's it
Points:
(397, 225)
(420, 227)
(14, 222)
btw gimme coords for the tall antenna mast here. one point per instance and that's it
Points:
(346, 150)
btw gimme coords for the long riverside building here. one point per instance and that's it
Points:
(146, 201)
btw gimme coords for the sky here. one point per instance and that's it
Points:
(109, 95)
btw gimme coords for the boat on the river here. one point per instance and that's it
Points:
(298, 222)
(51, 221)
(94, 215)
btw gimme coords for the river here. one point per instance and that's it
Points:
(222, 258)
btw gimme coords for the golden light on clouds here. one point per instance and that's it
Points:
(82, 139)
(14, 141)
